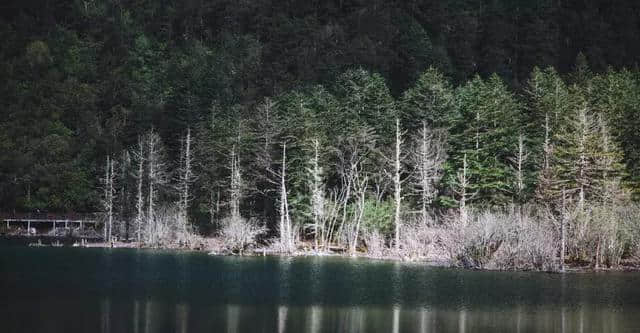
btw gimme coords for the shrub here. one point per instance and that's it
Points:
(238, 233)
(502, 239)
(375, 243)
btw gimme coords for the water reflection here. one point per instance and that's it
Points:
(182, 318)
(238, 318)
(142, 291)
(462, 321)
(233, 318)
(105, 318)
(315, 319)
(136, 316)
(396, 320)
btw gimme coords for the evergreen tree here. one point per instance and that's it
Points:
(430, 100)
(486, 132)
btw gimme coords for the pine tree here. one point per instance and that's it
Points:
(430, 100)
(618, 99)
(485, 133)
(547, 105)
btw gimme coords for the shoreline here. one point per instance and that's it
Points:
(627, 266)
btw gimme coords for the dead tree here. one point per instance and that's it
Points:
(286, 238)
(353, 154)
(360, 189)
(139, 176)
(235, 188)
(317, 194)
(463, 191)
(519, 160)
(563, 231)
(157, 177)
(124, 194)
(108, 200)
(185, 179)
(397, 185)
(428, 157)
(398, 169)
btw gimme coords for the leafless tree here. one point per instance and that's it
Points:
(463, 190)
(139, 157)
(518, 164)
(286, 231)
(185, 179)
(397, 184)
(427, 158)
(108, 199)
(157, 177)
(124, 194)
(317, 194)
(360, 190)
(563, 230)
(353, 152)
(235, 188)
(185, 173)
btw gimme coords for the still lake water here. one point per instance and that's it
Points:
(124, 290)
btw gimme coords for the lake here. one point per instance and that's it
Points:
(125, 290)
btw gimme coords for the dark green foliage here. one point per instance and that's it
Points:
(82, 80)
(486, 132)
(431, 99)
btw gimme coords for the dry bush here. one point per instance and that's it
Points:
(471, 244)
(416, 238)
(532, 242)
(630, 224)
(502, 239)
(157, 232)
(375, 243)
(615, 233)
(169, 228)
(238, 233)
(580, 236)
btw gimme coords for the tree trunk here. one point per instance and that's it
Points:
(396, 182)
(139, 198)
(563, 230)
(285, 222)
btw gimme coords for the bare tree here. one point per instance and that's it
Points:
(519, 160)
(125, 194)
(463, 190)
(360, 189)
(585, 127)
(354, 152)
(108, 200)
(286, 237)
(139, 176)
(546, 147)
(398, 169)
(185, 173)
(427, 157)
(331, 214)
(563, 229)
(235, 188)
(185, 179)
(317, 194)
(157, 177)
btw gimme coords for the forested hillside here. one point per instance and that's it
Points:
(434, 104)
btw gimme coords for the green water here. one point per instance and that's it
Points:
(122, 290)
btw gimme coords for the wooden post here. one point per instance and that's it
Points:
(28, 227)
(65, 223)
